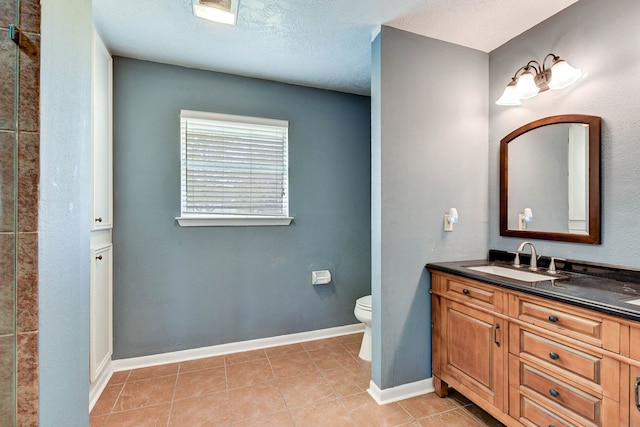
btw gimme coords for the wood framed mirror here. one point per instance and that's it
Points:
(550, 180)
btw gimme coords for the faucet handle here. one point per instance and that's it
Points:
(516, 260)
(552, 264)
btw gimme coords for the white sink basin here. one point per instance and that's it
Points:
(524, 276)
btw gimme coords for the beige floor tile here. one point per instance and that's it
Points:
(152, 416)
(316, 344)
(292, 365)
(107, 400)
(366, 412)
(455, 418)
(245, 356)
(353, 349)
(284, 350)
(249, 373)
(256, 401)
(482, 417)
(332, 357)
(153, 372)
(119, 377)
(305, 389)
(138, 394)
(205, 363)
(347, 381)
(427, 404)
(458, 398)
(317, 383)
(209, 410)
(323, 414)
(199, 383)
(350, 339)
(281, 419)
(98, 421)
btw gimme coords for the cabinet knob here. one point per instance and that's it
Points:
(554, 393)
(553, 319)
(99, 257)
(554, 356)
(465, 291)
(99, 219)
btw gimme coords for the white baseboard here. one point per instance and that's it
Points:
(217, 350)
(401, 392)
(97, 387)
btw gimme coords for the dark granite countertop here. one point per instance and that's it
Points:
(599, 287)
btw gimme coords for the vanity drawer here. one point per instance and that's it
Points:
(533, 413)
(559, 396)
(561, 318)
(472, 292)
(568, 361)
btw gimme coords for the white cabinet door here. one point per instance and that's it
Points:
(102, 140)
(101, 317)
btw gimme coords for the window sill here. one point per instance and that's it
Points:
(233, 221)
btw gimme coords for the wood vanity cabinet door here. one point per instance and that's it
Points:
(473, 356)
(634, 410)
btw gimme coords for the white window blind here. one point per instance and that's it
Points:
(233, 166)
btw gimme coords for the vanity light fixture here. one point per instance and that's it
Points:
(222, 11)
(534, 77)
(450, 218)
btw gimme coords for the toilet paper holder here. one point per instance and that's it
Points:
(320, 277)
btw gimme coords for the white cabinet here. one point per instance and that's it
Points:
(101, 331)
(101, 222)
(102, 146)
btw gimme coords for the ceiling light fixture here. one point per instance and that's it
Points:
(533, 78)
(222, 11)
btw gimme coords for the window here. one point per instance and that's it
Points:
(234, 170)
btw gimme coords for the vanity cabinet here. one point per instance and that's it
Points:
(470, 334)
(531, 361)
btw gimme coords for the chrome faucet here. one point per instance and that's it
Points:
(534, 256)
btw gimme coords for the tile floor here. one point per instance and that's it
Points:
(316, 383)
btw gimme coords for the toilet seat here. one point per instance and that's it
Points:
(364, 303)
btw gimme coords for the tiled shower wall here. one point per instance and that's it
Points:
(19, 174)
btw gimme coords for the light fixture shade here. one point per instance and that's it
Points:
(528, 215)
(526, 87)
(563, 75)
(510, 95)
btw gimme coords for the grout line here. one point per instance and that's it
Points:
(173, 395)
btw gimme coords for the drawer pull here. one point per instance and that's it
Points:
(465, 291)
(637, 402)
(554, 393)
(99, 219)
(554, 356)
(495, 335)
(99, 257)
(553, 319)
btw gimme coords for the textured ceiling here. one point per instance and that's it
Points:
(318, 43)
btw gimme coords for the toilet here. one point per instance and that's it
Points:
(363, 314)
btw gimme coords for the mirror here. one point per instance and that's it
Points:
(550, 180)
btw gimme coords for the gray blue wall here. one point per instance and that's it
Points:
(180, 288)
(429, 151)
(602, 39)
(64, 213)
